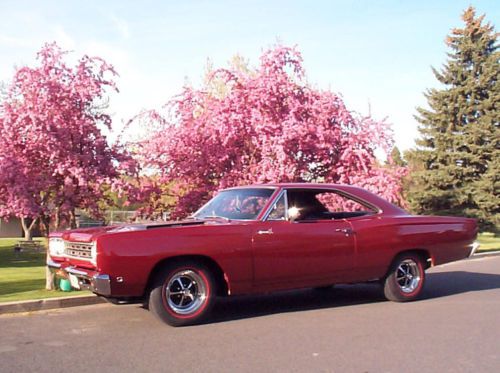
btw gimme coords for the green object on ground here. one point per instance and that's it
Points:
(64, 284)
(22, 274)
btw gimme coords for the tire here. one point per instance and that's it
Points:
(405, 279)
(183, 294)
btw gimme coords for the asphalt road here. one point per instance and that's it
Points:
(454, 328)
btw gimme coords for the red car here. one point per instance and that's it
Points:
(258, 239)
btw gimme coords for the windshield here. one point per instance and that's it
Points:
(239, 204)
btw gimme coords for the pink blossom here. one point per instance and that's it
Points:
(53, 156)
(269, 126)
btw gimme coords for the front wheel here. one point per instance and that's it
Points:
(406, 278)
(183, 294)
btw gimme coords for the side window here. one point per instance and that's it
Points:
(325, 205)
(338, 203)
(240, 206)
(252, 205)
(278, 210)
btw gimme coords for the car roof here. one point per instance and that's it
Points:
(344, 187)
(363, 194)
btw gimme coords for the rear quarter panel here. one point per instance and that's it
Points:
(379, 239)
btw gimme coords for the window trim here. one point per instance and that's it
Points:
(376, 209)
(270, 208)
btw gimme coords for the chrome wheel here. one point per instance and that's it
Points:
(185, 292)
(408, 276)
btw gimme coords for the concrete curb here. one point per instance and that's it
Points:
(49, 303)
(487, 253)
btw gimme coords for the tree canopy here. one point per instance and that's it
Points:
(265, 124)
(53, 155)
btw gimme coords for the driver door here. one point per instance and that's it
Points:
(300, 253)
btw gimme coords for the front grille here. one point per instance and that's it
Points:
(79, 250)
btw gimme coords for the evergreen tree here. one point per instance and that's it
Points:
(456, 163)
(397, 158)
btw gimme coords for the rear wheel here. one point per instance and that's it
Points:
(406, 278)
(183, 294)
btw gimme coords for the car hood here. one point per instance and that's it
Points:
(90, 234)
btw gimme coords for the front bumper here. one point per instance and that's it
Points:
(474, 247)
(88, 280)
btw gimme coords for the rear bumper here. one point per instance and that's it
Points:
(98, 283)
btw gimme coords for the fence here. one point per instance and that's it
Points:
(109, 217)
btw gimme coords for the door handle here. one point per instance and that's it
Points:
(269, 231)
(346, 231)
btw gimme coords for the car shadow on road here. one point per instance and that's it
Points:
(242, 307)
(438, 285)
(443, 284)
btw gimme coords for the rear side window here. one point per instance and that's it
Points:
(334, 202)
(325, 205)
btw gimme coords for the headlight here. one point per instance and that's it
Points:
(56, 246)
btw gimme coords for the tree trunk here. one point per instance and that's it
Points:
(72, 219)
(45, 225)
(50, 278)
(28, 224)
(57, 219)
(27, 235)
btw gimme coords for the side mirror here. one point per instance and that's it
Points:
(293, 214)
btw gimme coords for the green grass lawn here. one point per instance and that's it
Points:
(22, 275)
(488, 242)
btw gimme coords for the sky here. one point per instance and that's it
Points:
(376, 54)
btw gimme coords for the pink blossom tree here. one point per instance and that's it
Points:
(54, 157)
(266, 125)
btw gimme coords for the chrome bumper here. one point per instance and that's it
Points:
(475, 246)
(96, 282)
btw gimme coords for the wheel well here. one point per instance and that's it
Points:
(222, 285)
(423, 253)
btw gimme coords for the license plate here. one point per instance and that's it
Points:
(74, 281)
